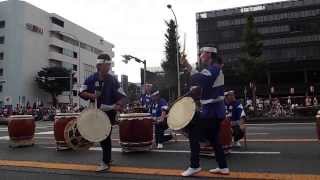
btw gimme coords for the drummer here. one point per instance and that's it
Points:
(104, 87)
(159, 108)
(207, 121)
(145, 99)
(236, 114)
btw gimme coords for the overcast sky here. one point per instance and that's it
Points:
(137, 27)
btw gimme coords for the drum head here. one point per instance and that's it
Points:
(73, 138)
(94, 125)
(181, 113)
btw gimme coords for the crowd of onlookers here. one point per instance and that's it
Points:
(40, 112)
(276, 107)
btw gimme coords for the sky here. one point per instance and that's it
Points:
(137, 27)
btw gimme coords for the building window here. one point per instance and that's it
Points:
(57, 21)
(55, 63)
(1, 72)
(69, 53)
(272, 17)
(1, 55)
(56, 49)
(2, 40)
(2, 24)
(75, 67)
(70, 40)
(88, 70)
(1, 87)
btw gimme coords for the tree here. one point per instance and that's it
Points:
(158, 82)
(252, 66)
(54, 80)
(169, 65)
(132, 92)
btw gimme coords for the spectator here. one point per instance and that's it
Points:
(315, 101)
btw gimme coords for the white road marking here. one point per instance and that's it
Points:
(184, 151)
(6, 129)
(258, 133)
(4, 138)
(276, 124)
(51, 138)
(253, 140)
(282, 140)
(40, 133)
(46, 132)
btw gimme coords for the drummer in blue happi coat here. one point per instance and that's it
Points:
(206, 122)
(104, 88)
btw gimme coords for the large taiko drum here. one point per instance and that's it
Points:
(225, 139)
(136, 131)
(60, 122)
(181, 113)
(92, 126)
(318, 124)
(21, 130)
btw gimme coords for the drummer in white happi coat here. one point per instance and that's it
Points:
(104, 88)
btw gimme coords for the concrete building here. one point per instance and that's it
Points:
(31, 39)
(290, 32)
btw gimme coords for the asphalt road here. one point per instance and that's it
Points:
(278, 148)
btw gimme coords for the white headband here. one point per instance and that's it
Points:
(103, 61)
(209, 49)
(229, 93)
(155, 93)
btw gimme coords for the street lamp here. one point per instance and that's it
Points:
(127, 58)
(78, 57)
(177, 43)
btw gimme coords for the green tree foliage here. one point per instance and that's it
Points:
(169, 65)
(54, 80)
(252, 66)
(158, 81)
(133, 92)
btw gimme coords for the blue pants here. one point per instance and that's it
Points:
(106, 149)
(106, 144)
(208, 129)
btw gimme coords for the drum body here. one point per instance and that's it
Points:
(225, 138)
(73, 138)
(21, 130)
(139, 109)
(136, 131)
(60, 122)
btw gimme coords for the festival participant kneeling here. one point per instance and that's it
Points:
(159, 109)
(236, 115)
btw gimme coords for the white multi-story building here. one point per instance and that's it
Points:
(31, 39)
